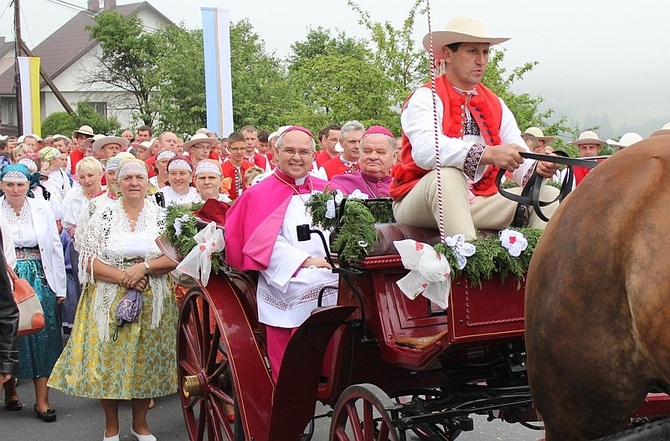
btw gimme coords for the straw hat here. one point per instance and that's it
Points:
(626, 140)
(460, 29)
(539, 134)
(101, 142)
(199, 138)
(665, 130)
(588, 137)
(83, 130)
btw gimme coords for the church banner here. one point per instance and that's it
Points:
(218, 82)
(29, 74)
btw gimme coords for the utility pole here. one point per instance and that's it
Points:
(17, 75)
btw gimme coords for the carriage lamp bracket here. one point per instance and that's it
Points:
(304, 233)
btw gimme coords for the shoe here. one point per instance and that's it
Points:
(139, 437)
(49, 416)
(111, 438)
(14, 405)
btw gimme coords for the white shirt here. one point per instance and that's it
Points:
(417, 123)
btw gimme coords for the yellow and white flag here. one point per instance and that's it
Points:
(29, 74)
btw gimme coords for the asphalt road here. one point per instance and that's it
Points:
(81, 419)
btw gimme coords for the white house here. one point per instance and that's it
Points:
(67, 56)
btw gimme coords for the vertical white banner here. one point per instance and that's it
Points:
(218, 79)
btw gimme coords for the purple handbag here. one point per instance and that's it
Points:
(128, 309)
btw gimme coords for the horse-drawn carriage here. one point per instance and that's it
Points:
(398, 367)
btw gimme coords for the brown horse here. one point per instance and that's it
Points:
(598, 297)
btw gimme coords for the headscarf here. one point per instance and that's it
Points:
(20, 173)
(15, 173)
(133, 165)
(180, 163)
(207, 166)
(49, 153)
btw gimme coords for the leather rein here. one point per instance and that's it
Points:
(530, 195)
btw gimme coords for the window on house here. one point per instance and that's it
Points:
(100, 107)
(8, 115)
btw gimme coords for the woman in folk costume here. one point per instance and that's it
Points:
(40, 261)
(162, 176)
(179, 191)
(59, 182)
(135, 361)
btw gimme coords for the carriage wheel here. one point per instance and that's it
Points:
(364, 413)
(205, 373)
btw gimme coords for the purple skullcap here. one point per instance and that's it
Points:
(298, 128)
(378, 130)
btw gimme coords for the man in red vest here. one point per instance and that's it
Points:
(589, 144)
(478, 135)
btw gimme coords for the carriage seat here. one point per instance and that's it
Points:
(388, 233)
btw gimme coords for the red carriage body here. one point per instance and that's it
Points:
(413, 365)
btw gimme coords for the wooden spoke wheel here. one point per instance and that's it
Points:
(205, 373)
(364, 413)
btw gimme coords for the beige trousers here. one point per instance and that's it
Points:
(420, 207)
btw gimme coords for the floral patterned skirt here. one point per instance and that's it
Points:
(140, 363)
(38, 352)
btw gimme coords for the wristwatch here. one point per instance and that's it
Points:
(146, 265)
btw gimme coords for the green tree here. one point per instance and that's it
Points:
(395, 51)
(319, 41)
(127, 62)
(262, 95)
(332, 93)
(85, 114)
(181, 91)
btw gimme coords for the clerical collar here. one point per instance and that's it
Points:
(302, 185)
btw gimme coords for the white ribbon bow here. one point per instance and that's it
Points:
(358, 194)
(461, 249)
(332, 204)
(430, 273)
(198, 262)
(514, 241)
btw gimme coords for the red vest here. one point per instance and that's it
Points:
(484, 107)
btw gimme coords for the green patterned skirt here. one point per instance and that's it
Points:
(140, 363)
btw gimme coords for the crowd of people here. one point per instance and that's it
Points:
(80, 214)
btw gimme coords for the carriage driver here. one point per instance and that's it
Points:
(261, 236)
(478, 135)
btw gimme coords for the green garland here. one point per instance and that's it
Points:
(185, 242)
(492, 259)
(354, 231)
(355, 235)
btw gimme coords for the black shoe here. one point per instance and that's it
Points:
(48, 417)
(14, 405)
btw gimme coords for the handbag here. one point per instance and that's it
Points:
(31, 315)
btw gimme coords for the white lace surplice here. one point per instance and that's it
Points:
(286, 296)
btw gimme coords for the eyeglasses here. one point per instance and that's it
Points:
(301, 153)
(202, 147)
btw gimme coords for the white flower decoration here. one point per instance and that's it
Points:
(357, 194)
(514, 241)
(461, 249)
(178, 222)
(332, 204)
(430, 273)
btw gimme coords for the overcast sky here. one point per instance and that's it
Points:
(601, 62)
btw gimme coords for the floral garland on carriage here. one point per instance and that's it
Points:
(352, 221)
